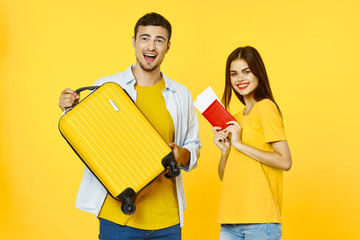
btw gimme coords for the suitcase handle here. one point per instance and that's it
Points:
(86, 88)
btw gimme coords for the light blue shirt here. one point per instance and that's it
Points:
(179, 103)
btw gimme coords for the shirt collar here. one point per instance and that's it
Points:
(130, 78)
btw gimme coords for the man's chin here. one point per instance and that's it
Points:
(148, 68)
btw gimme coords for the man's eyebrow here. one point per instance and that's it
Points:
(145, 35)
(148, 35)
(160, 37)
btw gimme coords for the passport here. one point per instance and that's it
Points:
(211, 108)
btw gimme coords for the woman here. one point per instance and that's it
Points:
(254, 153)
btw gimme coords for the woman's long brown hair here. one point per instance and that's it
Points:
(257, 67)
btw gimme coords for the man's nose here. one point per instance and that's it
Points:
(151, 45)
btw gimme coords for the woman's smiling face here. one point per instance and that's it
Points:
(242, 79)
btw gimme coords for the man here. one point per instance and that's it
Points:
(168, 106)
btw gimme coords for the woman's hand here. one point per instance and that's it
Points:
(221, 139)
(235, 130)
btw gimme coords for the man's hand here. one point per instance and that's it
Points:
(68, 98)
(182, 155)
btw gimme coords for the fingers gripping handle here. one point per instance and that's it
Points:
(91, 88)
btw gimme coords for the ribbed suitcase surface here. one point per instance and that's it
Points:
(115, 140)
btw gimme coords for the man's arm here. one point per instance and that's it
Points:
(190, 148)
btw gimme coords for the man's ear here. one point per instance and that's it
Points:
(168, 47)
(133, 41)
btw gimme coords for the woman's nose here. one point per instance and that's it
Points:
(240, 76)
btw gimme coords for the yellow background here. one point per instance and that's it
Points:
(311, 51)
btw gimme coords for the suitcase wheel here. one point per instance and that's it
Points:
(169, 163)
(174, 170)
(128, 208)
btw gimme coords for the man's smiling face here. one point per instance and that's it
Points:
(151, 45)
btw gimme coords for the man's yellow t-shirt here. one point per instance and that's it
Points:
(156, 204)
(252, 191)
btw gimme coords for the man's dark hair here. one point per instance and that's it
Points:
(153, 19)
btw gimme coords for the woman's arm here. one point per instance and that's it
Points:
(280, 158)
(222, 164)
(223, 143)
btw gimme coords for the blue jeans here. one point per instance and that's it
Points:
(113, 231)
(266, 231)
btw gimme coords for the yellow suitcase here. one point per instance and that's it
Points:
(116, 142)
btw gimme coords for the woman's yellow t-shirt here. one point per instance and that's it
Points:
(156, 204)
(252, 191)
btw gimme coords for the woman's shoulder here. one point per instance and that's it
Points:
(265, 104)
(267, 108)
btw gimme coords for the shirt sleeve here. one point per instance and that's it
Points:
(271, 122)
(192, 139)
